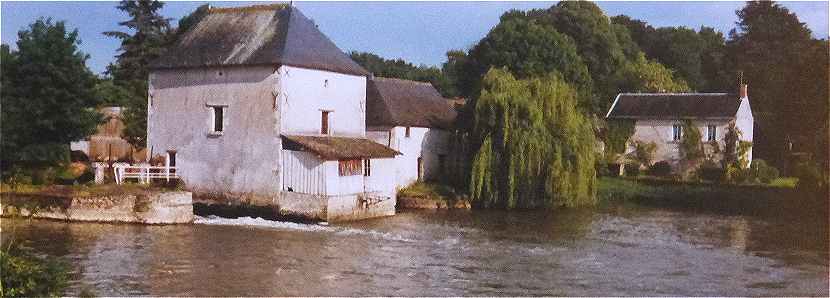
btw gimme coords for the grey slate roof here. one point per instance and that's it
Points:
(396, 102)
(674, 106)
(339, 148)
(257, 35)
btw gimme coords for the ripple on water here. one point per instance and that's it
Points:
(292, 226)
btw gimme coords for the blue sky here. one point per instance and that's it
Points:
(419, 32)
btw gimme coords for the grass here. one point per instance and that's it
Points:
(77, 190)
(428, 190)
(785, 182)
(704, 196)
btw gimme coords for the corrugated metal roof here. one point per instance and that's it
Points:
(674, 106)
(257, 35)
(396, 102)
(339, 148)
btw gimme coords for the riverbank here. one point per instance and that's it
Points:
(98, 203)
(431, 196)
(710, 197)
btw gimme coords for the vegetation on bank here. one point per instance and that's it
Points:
(706, 196)
(432, 191)
(27, 275)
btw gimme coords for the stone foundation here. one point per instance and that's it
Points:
(157, 207)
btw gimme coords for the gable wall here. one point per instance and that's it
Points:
(244, 161)
(305, 92)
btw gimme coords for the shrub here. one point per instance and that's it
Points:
(25, 275)
(632, 169)
(710, 171)
(808, 174)
(784, 182)
(761, 172)
(660, 169)
(734, 174)
(644, 152)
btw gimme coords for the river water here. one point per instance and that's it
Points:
(616, 250)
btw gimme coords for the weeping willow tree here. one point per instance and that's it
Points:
(536, 147)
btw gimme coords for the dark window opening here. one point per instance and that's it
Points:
(677, 132)
(713, 133)
(218, 117)
(367, 167)
(324, 125)
(171, 156)
(406, 134)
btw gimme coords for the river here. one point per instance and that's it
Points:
(614, 250)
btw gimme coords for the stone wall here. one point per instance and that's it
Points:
(151, 208)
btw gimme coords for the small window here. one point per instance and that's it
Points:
(350, 167)
(677, 132)
(367, 167)
(218, 118)
(171, 158)
(324, 122)
(406, 133)
(712, 133)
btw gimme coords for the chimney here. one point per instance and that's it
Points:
(743, 93)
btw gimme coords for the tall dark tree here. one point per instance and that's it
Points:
(47, 95)
(786, 70)
(146, 41)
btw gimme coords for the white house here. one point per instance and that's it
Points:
(412, 118)
(659, 118)
(254, 105)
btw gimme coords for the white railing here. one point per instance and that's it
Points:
(144, 173)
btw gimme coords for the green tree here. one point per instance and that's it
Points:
(643, 75)
(148, 35)
(690, 147)
(596, 41)
(47, 95)
(786, 70)
(535, 148)
(529, 49)
(398, 68)
(144, 42)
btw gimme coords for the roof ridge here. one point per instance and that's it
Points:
(276, 6)
(678, 94)
(403, 80)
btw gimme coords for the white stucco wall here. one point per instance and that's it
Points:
(745, 123)
(660, 132)
(244, 160)
(304, 93)
(427, 143)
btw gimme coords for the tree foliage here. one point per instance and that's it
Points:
(535, 148)
(786, 70)
(147, 36)
(530, 49)
(47, 95)
(398, 68)
(643, 75)
(690, 147)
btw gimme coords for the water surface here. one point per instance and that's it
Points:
(617, 250)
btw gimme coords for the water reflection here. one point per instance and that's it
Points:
(615, 250)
